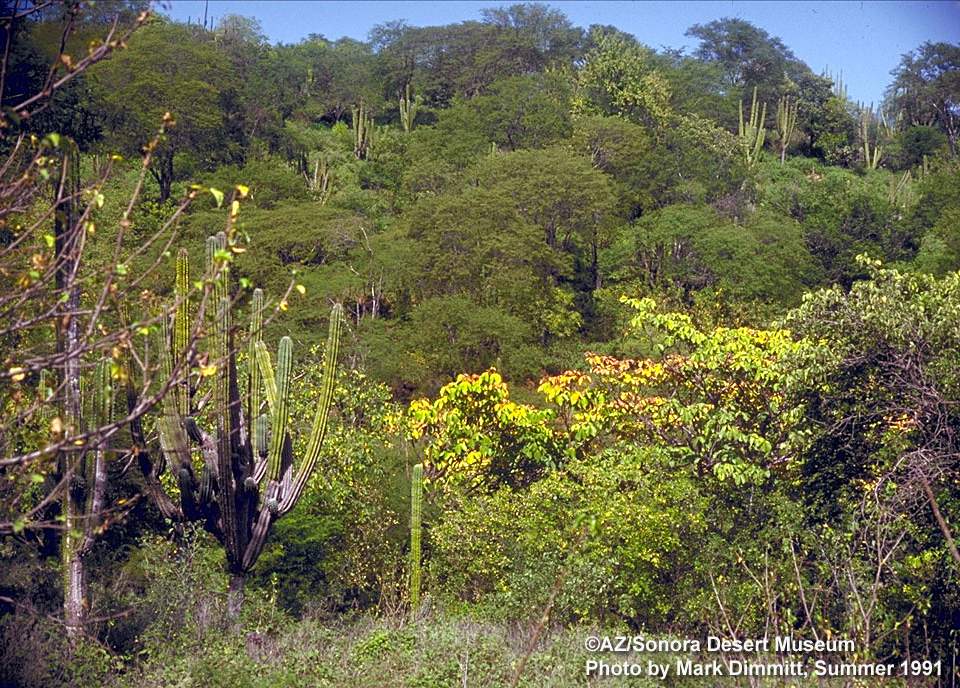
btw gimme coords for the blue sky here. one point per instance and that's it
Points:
(864, 40)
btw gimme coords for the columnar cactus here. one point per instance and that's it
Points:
(363, 130)
(871, 153)
(416, 515)
(752, 133)
(408, 109)
(786, 124)
(248, 477)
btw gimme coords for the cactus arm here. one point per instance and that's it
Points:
(181, 327)
(416, 517)
(408, 109)
(323, 411)
(258, 536)
(174, 442)
(266, 370)
(262, 448)
(752, 133)
(786, 124)
(278, 429)
(254, 381)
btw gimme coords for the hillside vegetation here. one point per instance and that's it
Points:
(514, 333)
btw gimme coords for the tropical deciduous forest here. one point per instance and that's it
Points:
(419, 360)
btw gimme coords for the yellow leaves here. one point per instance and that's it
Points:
(208, 370)
(243, 190)
(302, 290)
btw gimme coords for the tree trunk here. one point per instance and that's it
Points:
(162, 172)
(941, 521)
(74, 589)
(68, 342)
(235, 595)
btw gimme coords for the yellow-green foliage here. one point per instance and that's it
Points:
(474, 435)
(618, 78)
(714, 399)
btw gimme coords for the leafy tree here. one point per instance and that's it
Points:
(926, 88)
(446, 335)
(523, 112)
(749, 56)
(558, 192)
(833, 133)
(915, 143)
(443, 62)
(166, 69)
(690, 248)
(716, 400)
(619, 77)
(477, 243)
(882, 390)
(623, 151)
(475, 437)
(939, 251)
(538, 35)
(613, 527)
(698, 88)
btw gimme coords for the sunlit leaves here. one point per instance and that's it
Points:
(475, 435)
(716, 399)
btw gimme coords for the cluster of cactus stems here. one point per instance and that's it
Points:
(752, 132)
(416, 518)
(786, 123)
(319, 181)
(839, 86)
(363, 130)
(872, 153)
(408, 109)
(249, 477)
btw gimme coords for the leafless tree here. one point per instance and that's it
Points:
(72, 307)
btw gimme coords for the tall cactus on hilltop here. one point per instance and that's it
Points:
(408, 109)
(416, 517)
(752, 132)
(786, 124)
(248, 474)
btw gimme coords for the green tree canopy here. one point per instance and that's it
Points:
(168, 68)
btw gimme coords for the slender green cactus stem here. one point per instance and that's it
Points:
(416, 517)
(280, 408)
(323, 411)
(181, 325)
(254, 376)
